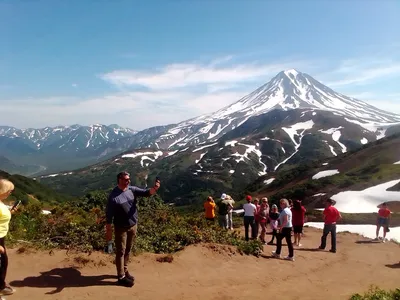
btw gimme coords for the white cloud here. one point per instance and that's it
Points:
(176, 92)
(138, 110)
(195, 74)
(362, 71)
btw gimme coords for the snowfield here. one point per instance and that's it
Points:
(366, 201)
(367, 231)
(268, 181)
(325, 173)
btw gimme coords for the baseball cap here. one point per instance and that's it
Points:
(248, 197)
(223, 196)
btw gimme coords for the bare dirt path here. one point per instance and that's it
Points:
(206, 272)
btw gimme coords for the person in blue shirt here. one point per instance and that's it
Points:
(121, 211)
(285, 230)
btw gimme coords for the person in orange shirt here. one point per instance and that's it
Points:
(209, 207)
(383, 221)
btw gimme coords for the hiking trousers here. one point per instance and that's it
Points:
(124, 240)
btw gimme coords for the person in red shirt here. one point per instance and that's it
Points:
(332, 215)
(383, 221)
(298, 214)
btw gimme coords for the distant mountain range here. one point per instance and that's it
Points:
(291, 119)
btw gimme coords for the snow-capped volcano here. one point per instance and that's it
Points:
(288, 90)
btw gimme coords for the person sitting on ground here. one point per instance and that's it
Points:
(273, 222)
(383, 221)
(223, 209)
(6, 188)
(263, 214)
(298, 212)
(121, 210)
(332, 215)
(231, 203)
(285, 231)
(248, 218)
(256, 216)
(209, 208)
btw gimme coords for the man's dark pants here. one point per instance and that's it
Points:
(329, 228)
(124, 240)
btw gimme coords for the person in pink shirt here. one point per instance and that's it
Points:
(263, 214)
(257, 216)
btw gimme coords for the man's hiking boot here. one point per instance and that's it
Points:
(129, 276)
(125, 281)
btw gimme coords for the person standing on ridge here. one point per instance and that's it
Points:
(122, 211)
(209, 207)
(257, 216)
(248, 219)
(6, 188)
(332, 215)
(228, 199)
(223, 209)
(263, 215)
(383, 221)
(285, 231)
(298, 215)
(273, 222)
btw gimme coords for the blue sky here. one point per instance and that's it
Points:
(145, 63)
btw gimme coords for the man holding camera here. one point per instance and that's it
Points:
(122, 212)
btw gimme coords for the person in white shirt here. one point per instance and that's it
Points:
(285, 230)
(249, 212)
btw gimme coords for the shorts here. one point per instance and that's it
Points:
(383, 221)
(297, 228)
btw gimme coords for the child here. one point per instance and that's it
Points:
(273, 221)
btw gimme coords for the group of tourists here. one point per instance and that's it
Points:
(284, 222)
(122, 218)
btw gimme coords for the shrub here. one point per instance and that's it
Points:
(374, 293)
(80, 226)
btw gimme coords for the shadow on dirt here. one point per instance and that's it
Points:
(60, 278)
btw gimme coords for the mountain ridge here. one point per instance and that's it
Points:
(287, 91)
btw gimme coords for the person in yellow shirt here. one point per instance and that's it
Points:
(209, 207)
(6, 188)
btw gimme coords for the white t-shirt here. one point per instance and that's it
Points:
(286, 212)
(249, 209)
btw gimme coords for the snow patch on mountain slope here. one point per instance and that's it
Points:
(156, 154)
(292, 132)
(231, 143)
(203, 147)
(172, 153)
(366, 201)
(364, 141)
(325, 173)
(336, 136)
(269, 181)
(331, 130)
(201, 157)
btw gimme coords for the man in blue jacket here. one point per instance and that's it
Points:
(122, 212)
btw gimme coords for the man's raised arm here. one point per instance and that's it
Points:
(146, 192)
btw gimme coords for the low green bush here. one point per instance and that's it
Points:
(375, 293)
(80, 226)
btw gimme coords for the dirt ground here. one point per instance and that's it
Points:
(210, 272)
